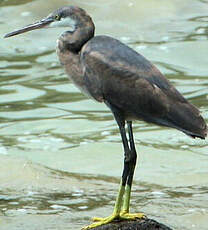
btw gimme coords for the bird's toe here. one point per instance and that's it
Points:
(132, 216)
(101, 221)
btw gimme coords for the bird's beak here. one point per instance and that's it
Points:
(37, 25)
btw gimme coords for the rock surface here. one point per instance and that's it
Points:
(146, 224)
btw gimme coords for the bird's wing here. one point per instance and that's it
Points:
(115, 73)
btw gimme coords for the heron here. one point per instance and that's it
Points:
(110, 72)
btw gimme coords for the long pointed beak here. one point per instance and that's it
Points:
(37, 25)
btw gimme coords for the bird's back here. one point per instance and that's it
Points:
(115, 73)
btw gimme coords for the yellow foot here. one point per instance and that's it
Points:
(131, 216)
(122, 216)
(100, 221)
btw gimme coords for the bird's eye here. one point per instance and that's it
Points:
(57, 17)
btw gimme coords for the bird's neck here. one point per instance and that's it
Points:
(73, 41)
(68, 50)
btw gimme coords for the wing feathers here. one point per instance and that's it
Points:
(124, 78)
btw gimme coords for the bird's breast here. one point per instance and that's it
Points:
(74, 70)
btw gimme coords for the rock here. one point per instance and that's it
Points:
(145, 224)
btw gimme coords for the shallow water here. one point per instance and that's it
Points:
(61, 155)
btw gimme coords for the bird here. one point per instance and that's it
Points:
(110, 72)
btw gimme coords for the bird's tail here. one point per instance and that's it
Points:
(187, 118)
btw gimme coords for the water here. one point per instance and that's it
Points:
(61, 154)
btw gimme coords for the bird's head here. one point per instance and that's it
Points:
(71, 17)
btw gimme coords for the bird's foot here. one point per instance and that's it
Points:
(122, 216)
(101, 221)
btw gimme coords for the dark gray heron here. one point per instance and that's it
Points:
(131, 86)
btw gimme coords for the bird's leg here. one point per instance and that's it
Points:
(132, 164)
(127, 195)
(121, 208)
(119, 200)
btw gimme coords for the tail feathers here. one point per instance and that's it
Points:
(187, 118)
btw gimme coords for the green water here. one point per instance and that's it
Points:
(61, 154)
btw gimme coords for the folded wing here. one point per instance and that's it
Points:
(116, 74)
